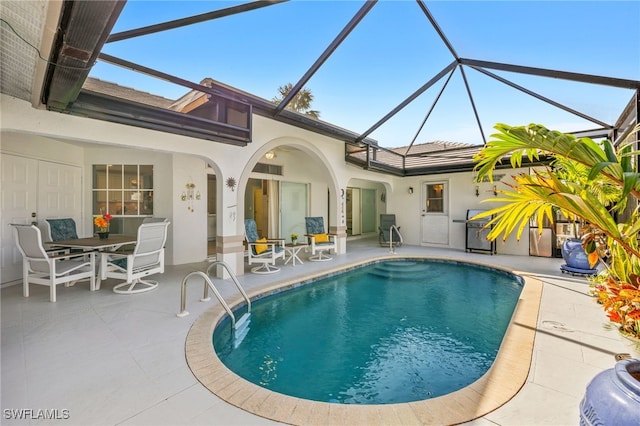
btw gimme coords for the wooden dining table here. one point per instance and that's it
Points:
(113, 242)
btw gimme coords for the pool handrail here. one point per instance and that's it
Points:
(209, 284)
(392, 248)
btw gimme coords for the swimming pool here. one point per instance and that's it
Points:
(384, 333)
(505, 377)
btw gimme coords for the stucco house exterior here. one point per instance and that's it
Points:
(58, 127)
(49, 138)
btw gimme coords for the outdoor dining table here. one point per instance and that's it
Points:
(95, 243)
(113, 242)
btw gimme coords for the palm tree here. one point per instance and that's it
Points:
(588, 181)
(301, 102)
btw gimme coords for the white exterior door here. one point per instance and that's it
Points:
(435, 212)
(33, 190)
(60, 192)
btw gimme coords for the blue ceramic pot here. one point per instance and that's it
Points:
(574, 255)
(613, 396)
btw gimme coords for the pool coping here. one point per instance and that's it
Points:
(496, 387)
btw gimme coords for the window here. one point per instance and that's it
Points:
(125, 191)
(435, 198)
(271, 169)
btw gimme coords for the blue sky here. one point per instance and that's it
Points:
(391, 53)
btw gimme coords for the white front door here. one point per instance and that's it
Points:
(435, 212)
(33, 190)
(60, 192)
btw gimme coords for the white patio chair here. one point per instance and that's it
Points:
(154, 219)
(40, 267)
(262, 251)
(319, 240)
(147, 258)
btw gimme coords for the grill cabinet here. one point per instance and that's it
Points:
(476, 235)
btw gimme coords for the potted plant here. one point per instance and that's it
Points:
(294, 239)
(102, 223)
(586, 181)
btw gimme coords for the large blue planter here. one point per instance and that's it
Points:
(574, 255)
(613, 396)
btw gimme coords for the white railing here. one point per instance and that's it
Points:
(208, 284)
(392, 248)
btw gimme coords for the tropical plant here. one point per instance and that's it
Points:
(587, 181)
(301, 101)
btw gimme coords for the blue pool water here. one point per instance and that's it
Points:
(388, 332)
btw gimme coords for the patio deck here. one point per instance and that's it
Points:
(112, 359)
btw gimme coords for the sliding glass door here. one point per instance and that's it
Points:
(293, 209)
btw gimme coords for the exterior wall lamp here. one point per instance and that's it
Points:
(410, 190)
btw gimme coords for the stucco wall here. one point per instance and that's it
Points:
(461, 196)
(305, 156)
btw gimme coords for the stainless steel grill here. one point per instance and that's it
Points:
(476, 235)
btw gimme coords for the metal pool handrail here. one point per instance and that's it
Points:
(391, 229)
(209, 284)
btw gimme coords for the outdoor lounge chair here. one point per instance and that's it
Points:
(41, 267)
(319, 240)
(147, 258)
(262, 250)
(387, 233)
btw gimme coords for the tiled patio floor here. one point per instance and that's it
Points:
(110, 359)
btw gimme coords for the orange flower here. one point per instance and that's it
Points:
(634, 315)
(613, 316)
(102, 222)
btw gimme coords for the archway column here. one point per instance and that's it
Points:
(230, 250)
(341, 238)
(229, 200)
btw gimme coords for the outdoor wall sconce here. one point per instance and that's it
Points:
(477, 191)
(410, 190)
(270, 155)
(189, 195)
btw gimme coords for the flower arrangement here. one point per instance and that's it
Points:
(294, 238)
(102, 222)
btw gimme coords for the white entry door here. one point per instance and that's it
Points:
(33, 190)
(435, 213)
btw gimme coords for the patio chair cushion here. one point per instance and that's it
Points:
(122, 263)
(261, 248)
(321, 238)
(62, 229)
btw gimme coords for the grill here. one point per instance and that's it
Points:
(476, 235)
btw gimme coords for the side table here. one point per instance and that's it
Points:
(293, 250)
